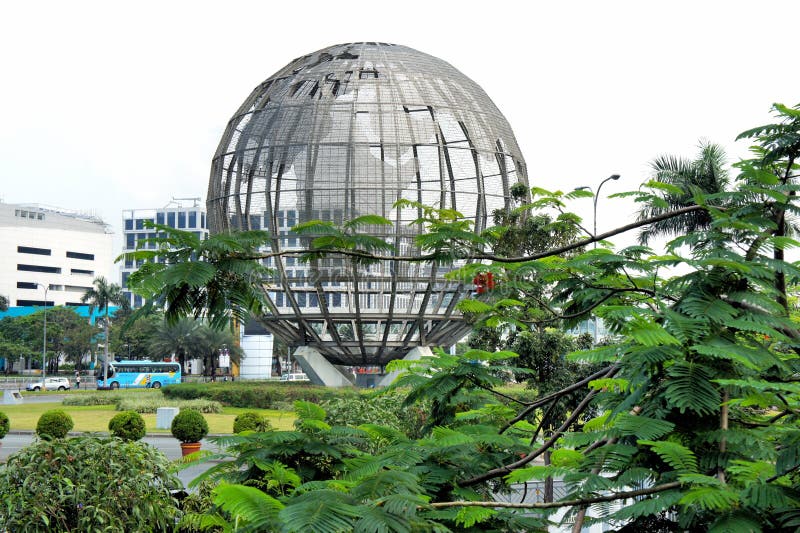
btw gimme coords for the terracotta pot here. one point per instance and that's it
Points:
(189, 447)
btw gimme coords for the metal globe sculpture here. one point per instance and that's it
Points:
(344, 132)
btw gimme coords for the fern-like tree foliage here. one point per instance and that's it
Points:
(688, 422)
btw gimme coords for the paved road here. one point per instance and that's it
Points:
(169, 446)
(41, 398)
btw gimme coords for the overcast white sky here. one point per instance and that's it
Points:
(108, 106)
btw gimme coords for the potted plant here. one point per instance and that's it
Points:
(4, 425)
(189, 427)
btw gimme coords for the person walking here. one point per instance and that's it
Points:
(77, 379)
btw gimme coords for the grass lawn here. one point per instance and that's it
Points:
(95, 418)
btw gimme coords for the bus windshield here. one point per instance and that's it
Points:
(138, 374)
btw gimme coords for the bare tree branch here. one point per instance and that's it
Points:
(564, 503)
(606, 372)
(507, 469)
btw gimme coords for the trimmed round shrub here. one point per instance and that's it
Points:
(251, 421)
(5, 425)
(88, 483)
(189, 426)
(54, 424)
(128, 425)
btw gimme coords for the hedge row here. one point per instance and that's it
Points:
(109, 397)
(257, 395)
(142, 403)
(151, 405)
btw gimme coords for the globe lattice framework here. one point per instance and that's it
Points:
(348, 131)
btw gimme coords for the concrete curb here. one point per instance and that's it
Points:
(106, 433)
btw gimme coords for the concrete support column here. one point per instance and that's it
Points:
(319, 370)
(417, 353)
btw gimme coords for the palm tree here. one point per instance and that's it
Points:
(101, 296)
(180, 339)
(706, 174)
(213, 341)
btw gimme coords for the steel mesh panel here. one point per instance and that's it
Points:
(348, 131)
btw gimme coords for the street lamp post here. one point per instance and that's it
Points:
(44, 335)
(613, 177)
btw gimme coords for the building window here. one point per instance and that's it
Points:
(171, 220)
(39, 268)
(26, 285)
(32, 215)
(139, 223)
(32, 250)
(130, 241)
(182, 219)
(30, 303)
(128, 224)
(291, 218)
(202, 220)
(76, 288)
(78, 255)
(125, 279)
(160, 218)
(82, 272)
(192, 219)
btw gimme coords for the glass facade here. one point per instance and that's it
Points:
(348, 131)
(136, 233)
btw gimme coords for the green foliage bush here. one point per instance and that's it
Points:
(151, 405)
(87, 483)
(141, 401)
(251, 421)
(256, 395)
(4, 424)
(128, 425)
(90, 399)
(383, 409)
(189, 426)
(110, 398)
(54, 424)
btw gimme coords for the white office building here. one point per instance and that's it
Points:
(46, 247)
(187, 214)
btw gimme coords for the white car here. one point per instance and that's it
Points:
(295, 377)
(50, 384)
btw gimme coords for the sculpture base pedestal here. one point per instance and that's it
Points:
(319, 370)
(417, 353)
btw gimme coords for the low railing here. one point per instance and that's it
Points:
(17, 382)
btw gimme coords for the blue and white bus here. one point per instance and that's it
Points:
(138, 374)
